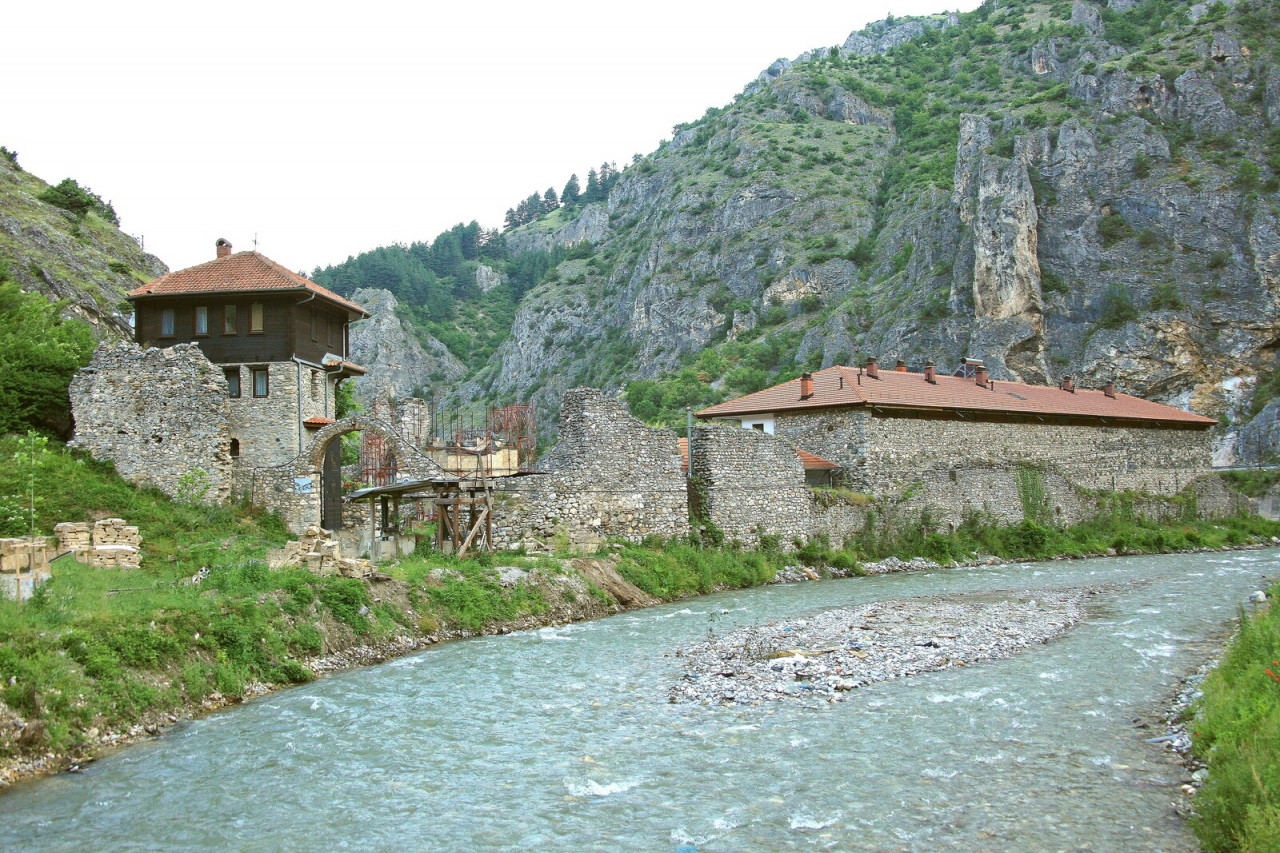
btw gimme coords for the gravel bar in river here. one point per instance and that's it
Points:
(823, 656)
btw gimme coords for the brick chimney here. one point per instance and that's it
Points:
(806, 386)
(980, 374)
(871, 367)
(1109, 389)
(930, 373)
(900, 367)
(1068, 385)
(224, 247)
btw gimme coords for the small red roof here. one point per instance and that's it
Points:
(317, 422)
(241, 272)
(843, 387)
(815, 463)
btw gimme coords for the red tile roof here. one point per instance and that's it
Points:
(243, 271)
(849, 387)
(317, 422)
(815, 463)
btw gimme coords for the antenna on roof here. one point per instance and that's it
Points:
(255, 241)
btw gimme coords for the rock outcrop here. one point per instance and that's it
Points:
(395, 357)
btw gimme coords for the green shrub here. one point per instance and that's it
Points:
(1112, 229)
(81, 201)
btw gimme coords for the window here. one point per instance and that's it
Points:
(202, 320)
(233, 381)
(255, 318)
(229, 320)
(235, 447)
(315, 325)
(166, 323)
(259, 382)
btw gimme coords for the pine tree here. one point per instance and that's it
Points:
(549, 200)
(509, 221)
(593, 188)
(571, 192)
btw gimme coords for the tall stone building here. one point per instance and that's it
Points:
(235, 366)
(280, 340)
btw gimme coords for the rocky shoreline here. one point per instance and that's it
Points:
(824, 656)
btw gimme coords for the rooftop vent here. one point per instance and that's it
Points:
(806, 386)
(930, 372)
(872, 370)
(900, 367)
(223, 246)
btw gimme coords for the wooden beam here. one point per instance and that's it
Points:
(475, 528)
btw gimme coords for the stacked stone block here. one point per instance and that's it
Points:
(319, 553)
(111, 543)
(24, 565)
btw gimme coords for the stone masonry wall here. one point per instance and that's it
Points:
(1161, 461)
(269, 428)
(158, 414)
(608, 476)
(839, 437)
(750, 483)
(882, 455)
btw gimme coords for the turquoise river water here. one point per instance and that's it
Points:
(563, 739)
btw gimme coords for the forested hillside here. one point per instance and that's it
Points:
(1058, 187)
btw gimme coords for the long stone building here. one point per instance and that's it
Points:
(888, 428)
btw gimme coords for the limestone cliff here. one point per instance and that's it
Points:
(395, 357)
(1057, 187)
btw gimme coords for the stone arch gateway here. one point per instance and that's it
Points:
(308, 489)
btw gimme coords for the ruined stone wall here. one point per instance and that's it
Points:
(749, 484)
(158, 414)
(609, 476)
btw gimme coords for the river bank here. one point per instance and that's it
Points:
(571, 591)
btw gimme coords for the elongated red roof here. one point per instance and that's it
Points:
(243, 271)
(849, 387)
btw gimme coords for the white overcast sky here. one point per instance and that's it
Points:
(327, 129)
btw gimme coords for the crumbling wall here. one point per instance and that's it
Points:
(159, 414)
(748, 484)
(609, 476)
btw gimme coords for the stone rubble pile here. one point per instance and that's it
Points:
(826, 655)
(320, 553)
(111, 543)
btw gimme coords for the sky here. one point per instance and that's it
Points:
(325, 129)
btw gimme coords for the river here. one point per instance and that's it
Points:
(563, 739)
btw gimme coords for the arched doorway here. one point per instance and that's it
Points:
(324, 460)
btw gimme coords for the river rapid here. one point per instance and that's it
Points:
(564, 739)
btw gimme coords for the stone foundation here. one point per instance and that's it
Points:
(320, 553)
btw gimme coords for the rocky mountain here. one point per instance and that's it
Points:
(81, 257)
(1057, 187)
(398, 359)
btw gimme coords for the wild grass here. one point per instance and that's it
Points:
(1237, 731)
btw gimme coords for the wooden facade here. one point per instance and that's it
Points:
(293, 325)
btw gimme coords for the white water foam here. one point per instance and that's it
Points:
(592, 788)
